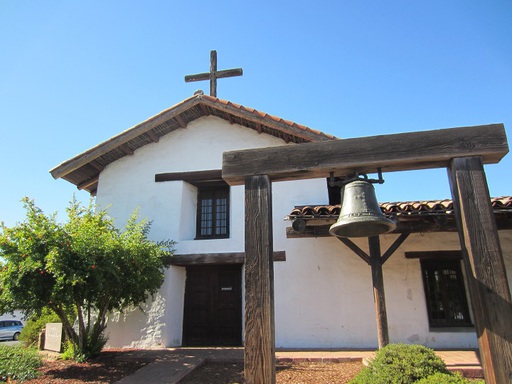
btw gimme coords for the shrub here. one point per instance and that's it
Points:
(401, 364)
(35, 324)
(71, 353)
(18, 363)
(444, 378)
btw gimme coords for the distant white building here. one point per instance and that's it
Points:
(170, 167)
(16, 315)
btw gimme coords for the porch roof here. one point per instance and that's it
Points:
(410, 216)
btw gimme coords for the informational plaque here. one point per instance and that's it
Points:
(53, 337)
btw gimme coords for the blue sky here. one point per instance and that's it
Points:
(74, 73)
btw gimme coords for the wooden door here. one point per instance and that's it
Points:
(213, 306)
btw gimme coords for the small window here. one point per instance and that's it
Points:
(213, 212)
(445, 293)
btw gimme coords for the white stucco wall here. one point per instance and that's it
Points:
(323, 292)
(130, 183)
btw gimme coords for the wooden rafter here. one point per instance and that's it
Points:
(153, 136)
(88, 183)
(205, 110)
(181, 122)
(126, 149)
(97, 165)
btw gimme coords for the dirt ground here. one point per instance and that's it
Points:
(286, 373)
(107, 369)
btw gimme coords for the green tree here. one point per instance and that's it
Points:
(85, 263)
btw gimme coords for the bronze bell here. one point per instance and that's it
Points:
(360, 214)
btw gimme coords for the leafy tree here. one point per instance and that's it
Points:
(85, 264)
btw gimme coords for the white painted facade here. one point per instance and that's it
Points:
(323, 292)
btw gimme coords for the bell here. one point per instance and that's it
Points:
(360, 214)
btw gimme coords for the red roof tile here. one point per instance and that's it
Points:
(397, 208)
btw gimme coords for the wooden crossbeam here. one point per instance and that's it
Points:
(397, 152)
(217, 258)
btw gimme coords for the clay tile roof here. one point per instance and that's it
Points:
(503, 203)
(83, 170)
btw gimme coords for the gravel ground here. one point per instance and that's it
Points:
(286, 373)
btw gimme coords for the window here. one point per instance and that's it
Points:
(213, 212)
(445, 293)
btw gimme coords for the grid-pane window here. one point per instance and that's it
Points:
(445, 293)
(213, 213)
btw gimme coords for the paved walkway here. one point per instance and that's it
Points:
(169, 366)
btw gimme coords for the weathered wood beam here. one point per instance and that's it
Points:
(376, 261)
(485, 268)
(153, 136)
(88, 183)
(379, 297)
(259, 358)
(354, 248)
(397, 152)
(126, 149)
(217, 258)
(396, 244)
(450, 255)
(218, 74)
(205, 110)
(181, 122)
(97, 165)
(190, 177)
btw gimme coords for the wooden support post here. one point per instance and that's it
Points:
(378, 291)
(485, 269)
(259, 359)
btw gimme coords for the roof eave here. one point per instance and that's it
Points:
(208, 104)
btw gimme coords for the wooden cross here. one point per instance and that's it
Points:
(213, 75)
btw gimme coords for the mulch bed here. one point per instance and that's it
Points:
(103, 369)
(108, 368)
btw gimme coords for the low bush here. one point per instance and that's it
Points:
(71, 353)
(401, 364)
(35, 324)
(18, 363)
(446, 378)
